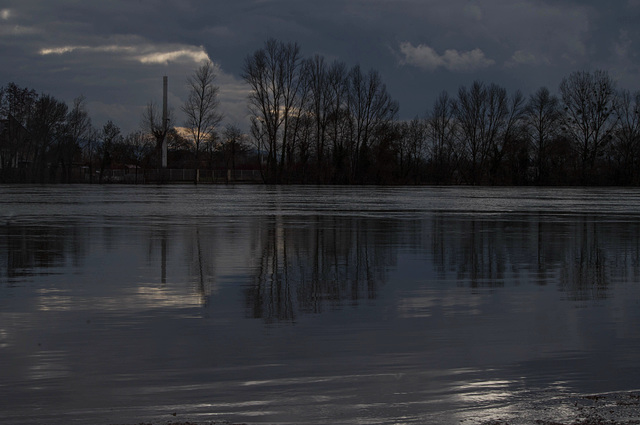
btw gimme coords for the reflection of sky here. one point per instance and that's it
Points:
(158, 306)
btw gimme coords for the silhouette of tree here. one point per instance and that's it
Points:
(337, 122)
(47, 131)
(625, 149)
(319, 106)
(370, 107)
(78, 128)
(442, 131)
(590, 116)
(109, 137)
(16, 108)
(140, 146)
(201, 107)
(272, 74)
(543, 118)
(152, 123)
(508, 141)
(478, 112)
(411, 149)
(233, 146)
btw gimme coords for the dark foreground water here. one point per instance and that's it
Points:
(314, 305)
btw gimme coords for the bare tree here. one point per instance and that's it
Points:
(543, 118)
(590, 115)
(90, 150)
(17, 102)
(337, 81)
(273, 76)
(410, 149)
(233, 146)
(16, 108)
(441, 130)
(478, 112)
(201, 107)
(47, 128)
(626, 142)
(139, 144)
(152, 123)
(370, 108)
(319, 106)
(488, 120)
(78, 119)
(110, 136)
(78, 128)
(510, 130)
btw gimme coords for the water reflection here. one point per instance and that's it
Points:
(307, 265)
(583, 255)
(26, 250)
(413, 316)
(321, 262)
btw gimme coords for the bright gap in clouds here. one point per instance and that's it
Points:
(145, 54)
(198, 55)
(131, 61)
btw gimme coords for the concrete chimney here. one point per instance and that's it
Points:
(165, 121)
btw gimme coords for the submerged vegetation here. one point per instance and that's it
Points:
(325, 123)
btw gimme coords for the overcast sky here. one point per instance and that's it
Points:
(116, 52)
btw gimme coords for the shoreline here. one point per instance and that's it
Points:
(613, 408)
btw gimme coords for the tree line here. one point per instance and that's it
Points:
(315, 122)
(43, 140)
(325, 123)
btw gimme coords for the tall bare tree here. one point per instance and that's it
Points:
(319, 104)
(442, 128)
(201, 107)
(590, 115)
(337, 81)
(370, 108)
(510, 131)
(543, 120)
(78, 128)
(410, 148)
(273, 76)
(626, 143)
(47, 128)
(478, 112)
(488, 120)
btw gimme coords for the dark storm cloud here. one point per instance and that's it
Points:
(116, 52)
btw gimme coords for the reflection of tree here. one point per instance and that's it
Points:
(482, 256)
(200, 254)
(587, 273)
(583, 255)
(308, 264)
(197, 246)
(157, 238)
(31, 250)
(324, 261)
(475, 250)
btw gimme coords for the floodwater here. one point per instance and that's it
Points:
(312, 305)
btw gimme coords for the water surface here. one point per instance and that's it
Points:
(257, 304)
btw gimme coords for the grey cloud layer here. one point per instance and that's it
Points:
(116, 52)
